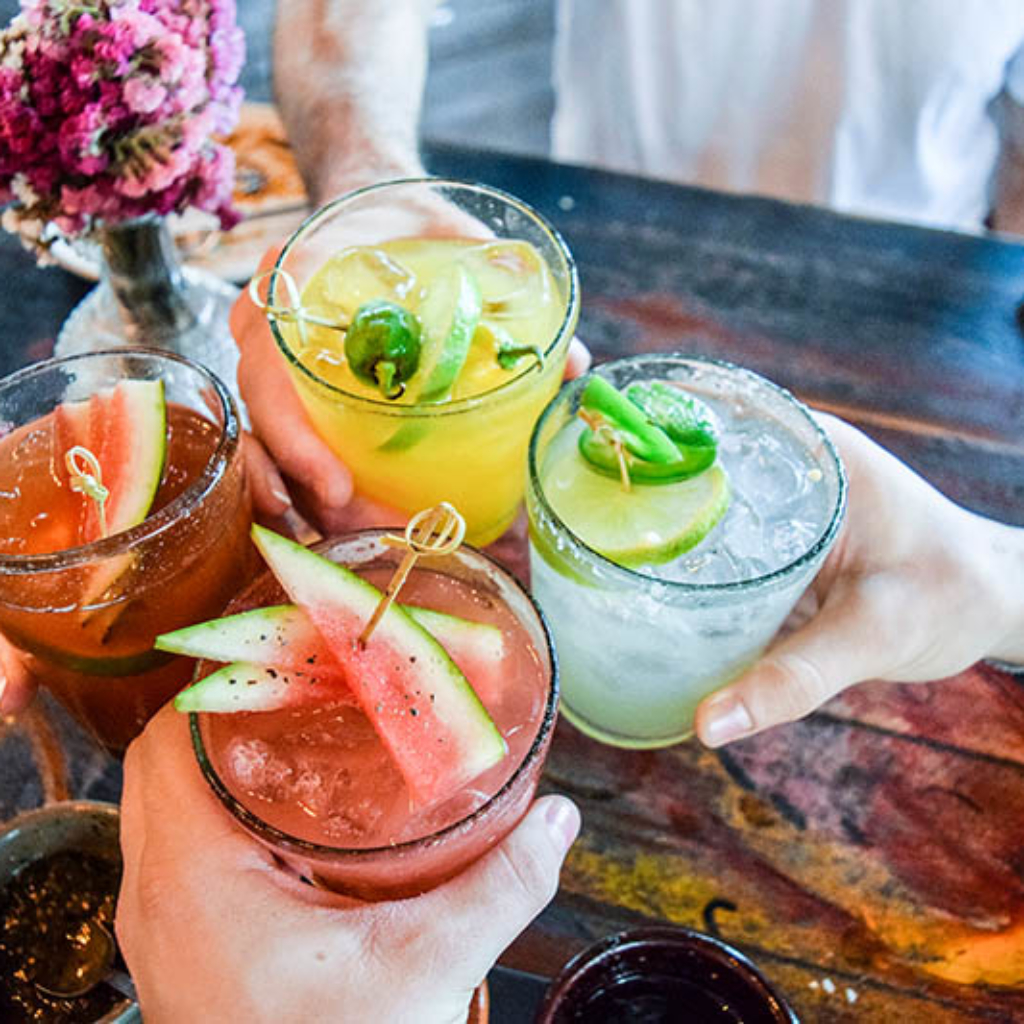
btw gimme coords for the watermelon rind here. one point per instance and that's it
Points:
(425, 713)
(278, 635)
(242, 686)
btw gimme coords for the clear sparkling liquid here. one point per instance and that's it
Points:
(779, 508)
(638, 653)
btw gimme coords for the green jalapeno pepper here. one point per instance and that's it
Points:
(382, 346)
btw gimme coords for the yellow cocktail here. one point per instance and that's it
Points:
(488, 289)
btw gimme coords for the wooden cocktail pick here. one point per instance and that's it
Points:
(86, 478)
(434, 531)
(598, 425)
(295, 313)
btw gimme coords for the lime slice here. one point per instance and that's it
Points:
(646, 525)
(449, 312)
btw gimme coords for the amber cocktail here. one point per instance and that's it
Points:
(83, 617)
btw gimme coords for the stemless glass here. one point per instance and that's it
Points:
(662, 973)
(94, 650)
(638, 653)
(469, 451)
(399, 869)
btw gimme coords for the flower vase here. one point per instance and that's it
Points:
(145, 297)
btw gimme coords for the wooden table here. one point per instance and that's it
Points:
(870, 858)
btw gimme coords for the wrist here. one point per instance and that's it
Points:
(353, 170)
(1008, 584)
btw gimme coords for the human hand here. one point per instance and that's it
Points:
(321, 483)
(17, 685)
(213, 928)
(915, 589)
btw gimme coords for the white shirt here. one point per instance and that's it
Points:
(878, 107)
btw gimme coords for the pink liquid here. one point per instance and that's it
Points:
(321, 775)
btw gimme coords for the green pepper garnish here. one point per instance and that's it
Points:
(639, 435)
(686, 419)
(650, 411)
(382, 346)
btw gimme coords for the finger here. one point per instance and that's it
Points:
(161, 766)
(269, 493)
(277, 415)
(578, 361)
(17, 686)
(496, 898)
(797, 675)
(363, 514)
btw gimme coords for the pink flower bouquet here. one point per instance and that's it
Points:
(109, 109)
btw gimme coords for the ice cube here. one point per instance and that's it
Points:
(360, 274)
(353, 821)
(258, 769)
(790, 538)
(311, 792)
(511, 278)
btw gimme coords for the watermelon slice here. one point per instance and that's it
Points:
(125, 428)
(283, 637)
(426, 714)
(127, 432)
(242, 686)
(280, 636)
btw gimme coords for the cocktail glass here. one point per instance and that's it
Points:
(94, 650)
(662, 973)
(639, 649)
(469, 450)
(317, 787)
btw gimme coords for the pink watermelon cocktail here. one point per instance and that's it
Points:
(316, 783)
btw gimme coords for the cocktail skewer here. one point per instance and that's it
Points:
(433, 531)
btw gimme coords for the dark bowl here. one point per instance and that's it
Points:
(79, 826)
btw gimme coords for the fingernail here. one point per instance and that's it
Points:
(280, 495)
(726, 720)
(3, 686)
(563, 820)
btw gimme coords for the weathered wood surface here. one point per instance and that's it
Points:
(880, 843)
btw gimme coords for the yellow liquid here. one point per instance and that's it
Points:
(469, 449)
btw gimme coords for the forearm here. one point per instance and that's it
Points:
(348, 80)
(1008, 180)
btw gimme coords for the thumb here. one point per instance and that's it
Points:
(488, 905)
(796, 676)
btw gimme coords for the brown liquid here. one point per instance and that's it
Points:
(43, 909)
(87, 631)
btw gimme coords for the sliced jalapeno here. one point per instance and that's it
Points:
(639, 435)
(684, 420)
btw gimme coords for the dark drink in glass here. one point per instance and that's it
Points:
(662, 975)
